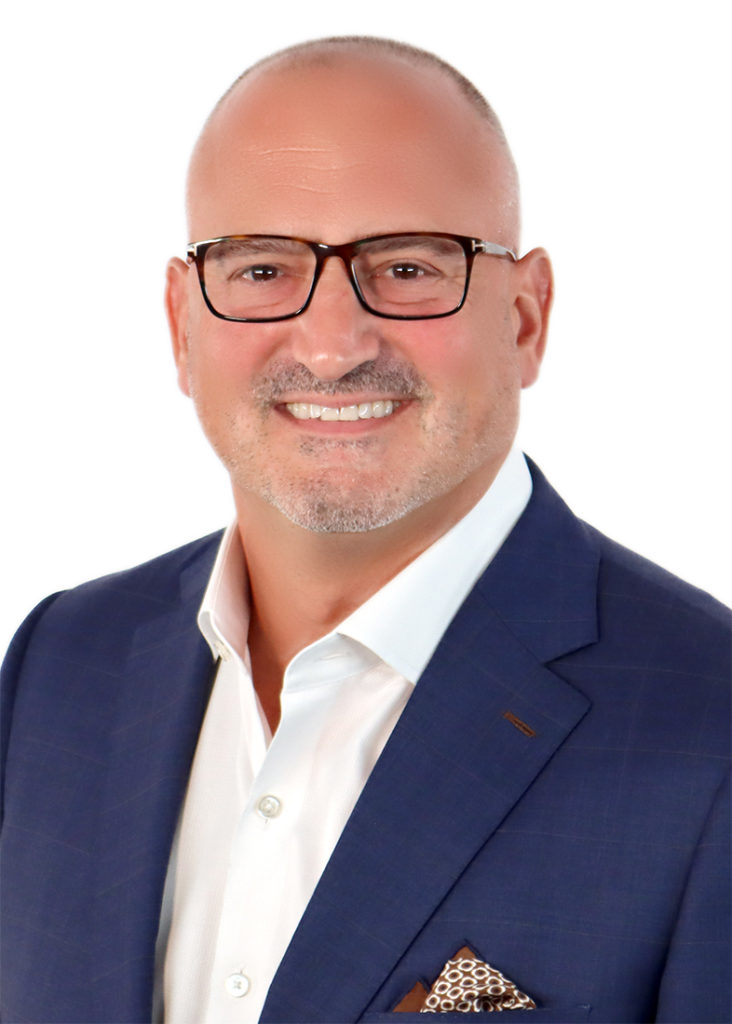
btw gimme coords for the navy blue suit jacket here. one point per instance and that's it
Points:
(552, 796)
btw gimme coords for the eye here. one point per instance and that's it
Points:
(258, 273)
(405, 271)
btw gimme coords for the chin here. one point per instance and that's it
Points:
(322, 517)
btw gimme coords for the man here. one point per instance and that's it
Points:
(460, 751)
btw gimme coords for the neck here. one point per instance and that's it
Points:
(302, 584)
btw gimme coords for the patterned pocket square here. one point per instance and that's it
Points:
(466, 985)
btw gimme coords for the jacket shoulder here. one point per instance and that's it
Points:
(662, 658)
(84, 625)
(157, 583)
(628, 581)
(86, 620)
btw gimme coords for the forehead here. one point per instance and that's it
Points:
(343, 149)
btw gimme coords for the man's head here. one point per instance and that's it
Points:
(332, 142)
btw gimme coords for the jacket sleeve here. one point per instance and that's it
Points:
(9, 677)
(696, 983)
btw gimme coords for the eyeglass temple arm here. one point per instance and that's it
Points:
(493, 249)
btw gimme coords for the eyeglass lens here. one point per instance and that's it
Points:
(262, 278)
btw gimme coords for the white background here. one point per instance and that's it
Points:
(618, 114)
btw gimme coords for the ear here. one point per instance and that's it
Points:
(533, 300)
(176, 308)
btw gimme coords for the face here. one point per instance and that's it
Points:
(340, 420)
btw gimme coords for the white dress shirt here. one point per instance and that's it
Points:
(263, 814)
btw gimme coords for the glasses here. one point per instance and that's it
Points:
(262, 278)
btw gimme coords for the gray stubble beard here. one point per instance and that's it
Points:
(320, 505)
(318, 508)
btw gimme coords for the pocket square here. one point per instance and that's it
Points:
(466, 985)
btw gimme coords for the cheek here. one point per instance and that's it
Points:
(475, 380)
(224, 358)
(218, 386)
(468, 365)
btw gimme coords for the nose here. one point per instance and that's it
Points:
(335, 334)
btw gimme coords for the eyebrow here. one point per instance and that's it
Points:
(411, 242)
(252, 246)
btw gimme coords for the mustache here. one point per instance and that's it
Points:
(388, 377)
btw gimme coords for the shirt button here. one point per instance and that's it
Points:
(269, 806)
(237, 985)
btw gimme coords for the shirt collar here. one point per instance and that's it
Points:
(223, 617)
(404, 621)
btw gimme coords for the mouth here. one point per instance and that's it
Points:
(377, 410)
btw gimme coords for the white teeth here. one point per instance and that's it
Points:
(363, 411)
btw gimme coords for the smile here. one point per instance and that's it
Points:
(363, 411)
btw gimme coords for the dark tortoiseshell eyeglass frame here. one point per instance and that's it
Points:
(472, 247)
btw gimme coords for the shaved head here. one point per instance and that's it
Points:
(326, 51)
(336, 64)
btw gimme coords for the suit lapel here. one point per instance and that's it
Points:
(486, 716)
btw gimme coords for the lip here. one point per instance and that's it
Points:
(336, 401)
